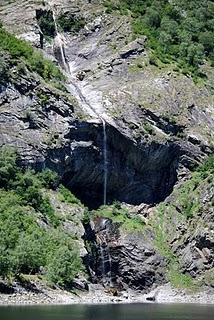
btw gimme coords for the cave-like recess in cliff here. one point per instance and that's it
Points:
(137, 173)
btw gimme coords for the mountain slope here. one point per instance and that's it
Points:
(159, 126)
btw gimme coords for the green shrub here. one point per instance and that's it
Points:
(206, 167)
(3, 68)
(179, 32)
(49, 179)
(8, 167)
(63, 266)
(148, 128)
(67, 196)
(19, 49)
(29, 251)
(70, 23)
(86, 216)
(46, 23)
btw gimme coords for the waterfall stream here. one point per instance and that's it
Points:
(59, 41)
(105, 264)
(105, 256)
(105, 164)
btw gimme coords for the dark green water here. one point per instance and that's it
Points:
(109, 312)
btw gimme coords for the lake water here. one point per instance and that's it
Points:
(109, 312)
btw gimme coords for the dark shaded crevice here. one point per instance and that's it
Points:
(164, 123)
(46, 22)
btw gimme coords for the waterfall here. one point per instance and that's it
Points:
(59, 41)
(105, 163)
(105, 264)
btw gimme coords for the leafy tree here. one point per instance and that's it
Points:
(207, 40)
(63, 266)
(169, 26)
(166, 39)
(30, 252)
(195, 54)
(25, 244)
(152, 17)
(46, 23)
(48, 178)
(7, 166)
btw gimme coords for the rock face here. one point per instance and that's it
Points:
(130, 260)
(196, 251)
(140, 266)
(43, 125)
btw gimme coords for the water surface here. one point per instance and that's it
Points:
(109, 312)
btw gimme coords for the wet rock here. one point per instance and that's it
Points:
(132, 260)
(6, 288)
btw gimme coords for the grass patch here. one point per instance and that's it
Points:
(120, 214)
(178, 279)
(67, 196)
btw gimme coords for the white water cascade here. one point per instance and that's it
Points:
(59, 42)
(106, 264)
(105, 163)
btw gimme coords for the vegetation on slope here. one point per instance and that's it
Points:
(16, 51)
(67, 22)
(177, 31)
(32, 240)
(185, 208)
(120, 214)
(70, 23)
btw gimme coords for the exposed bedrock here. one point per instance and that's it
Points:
(136, 173)
(138, 264)
(120, 259)
(47, 133)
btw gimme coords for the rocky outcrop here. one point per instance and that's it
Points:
(139, 264)
(130, 259)
(196, 250)
(117, 74)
